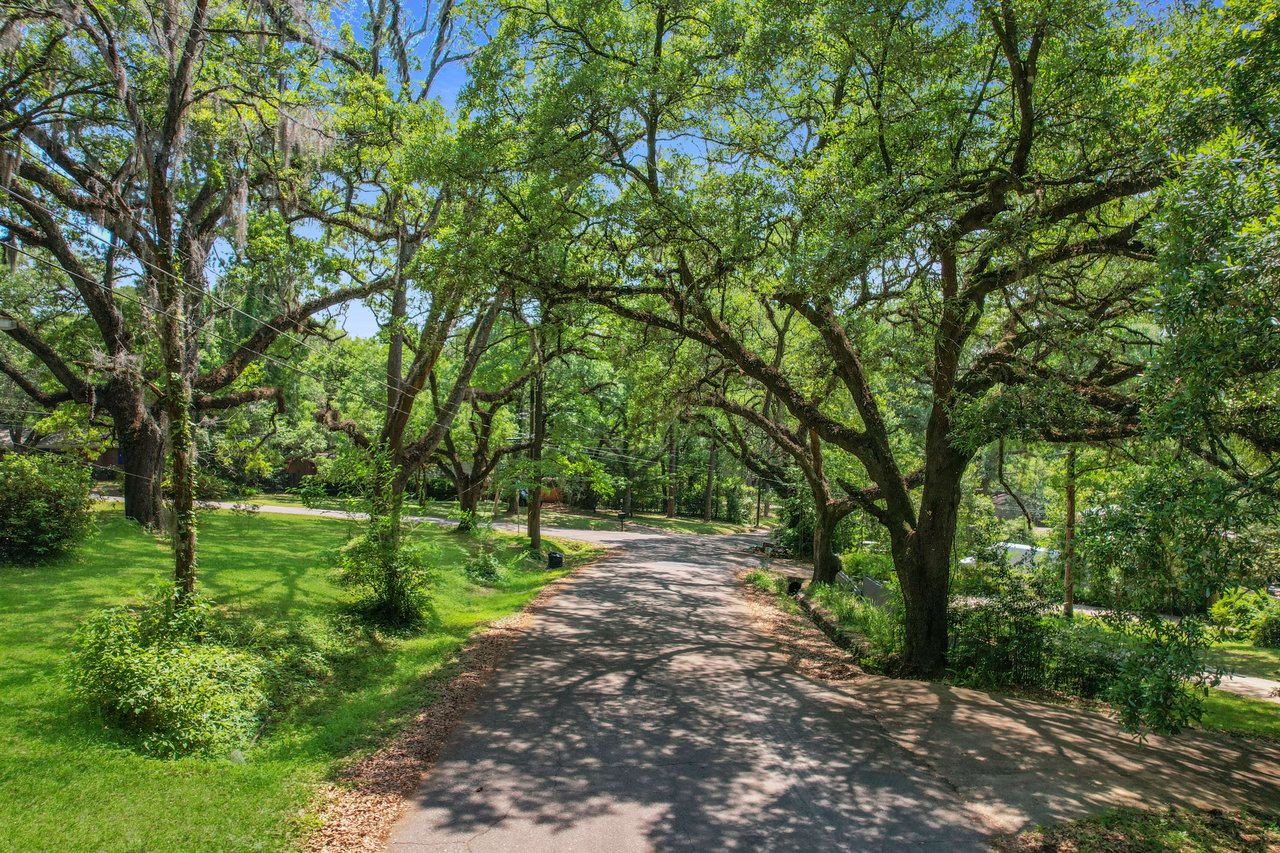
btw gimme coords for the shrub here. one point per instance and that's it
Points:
(858, 564)
(394, 582)
(145, 669)
(1001, 641)
(44, 506)
(483, 568)
(295, 657)
(1240, 608)
(1162, 683)
(1082, 658)
(1266, 628)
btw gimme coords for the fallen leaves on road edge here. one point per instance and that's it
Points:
(809, 651)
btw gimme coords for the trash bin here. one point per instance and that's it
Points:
(555, 560)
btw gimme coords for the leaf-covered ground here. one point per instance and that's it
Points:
(1169, 831)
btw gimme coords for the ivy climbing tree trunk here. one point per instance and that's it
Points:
(182, 456)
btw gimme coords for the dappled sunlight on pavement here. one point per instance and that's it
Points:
(642, 711)
(1022, 762)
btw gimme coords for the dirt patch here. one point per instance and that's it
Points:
(358, 811)
(808, 650)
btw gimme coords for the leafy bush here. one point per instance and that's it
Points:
(1162, 683)
(483, 568)
(44, 506)
(858, 564)
(1082, 658)
(1252, 613)
(734, 510)
(1266, 628)
(295, 657)
(393, 579)
(1240, 608)
(1009, 641)
(999, 642)
(145, 669)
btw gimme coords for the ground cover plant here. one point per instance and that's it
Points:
(1137, 831)
(70, 780)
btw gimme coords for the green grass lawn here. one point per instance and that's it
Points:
(553, 515)
(1241, 715)
(68, 784)
(1246, 659)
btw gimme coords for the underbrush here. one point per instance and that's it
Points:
(1149, 670)
(1252, 615)
(768, 581)
(149, 669)
(879, 627)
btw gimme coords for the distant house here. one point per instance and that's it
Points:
(297, 467)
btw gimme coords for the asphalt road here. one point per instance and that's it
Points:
(642, 711)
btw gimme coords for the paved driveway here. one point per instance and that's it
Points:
(642, 711)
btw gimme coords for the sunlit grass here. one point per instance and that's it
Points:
(1246, 659)
(67, 784)
(553, 515)
(1241, 715)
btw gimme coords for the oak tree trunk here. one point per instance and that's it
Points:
(826, 563)
(143, 450)
(923, 564)
(469, 502)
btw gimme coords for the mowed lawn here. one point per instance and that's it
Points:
(553, 515)
(68, 784)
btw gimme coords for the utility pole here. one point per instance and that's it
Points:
(709, 501)
(535, 453)
(1069, 551)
